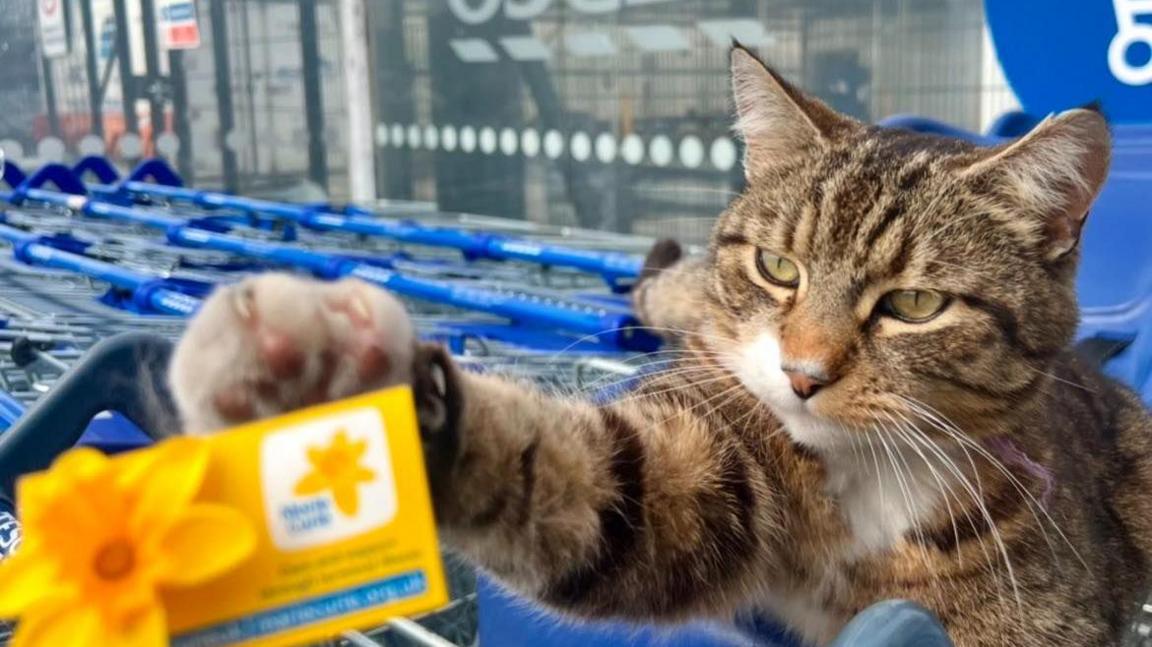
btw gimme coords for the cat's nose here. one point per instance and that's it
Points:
(805, 383)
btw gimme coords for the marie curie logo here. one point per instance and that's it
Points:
(327, 479)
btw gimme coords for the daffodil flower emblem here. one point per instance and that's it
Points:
(103, 539)
(337, 468)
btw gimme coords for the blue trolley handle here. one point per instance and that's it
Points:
(112, 376)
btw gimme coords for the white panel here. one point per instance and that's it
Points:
(749, 32)
(658, 38)
(473, 50)
(592, 43)
(525, 48)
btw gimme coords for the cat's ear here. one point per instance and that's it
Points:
(774, 119)
(1055, 172)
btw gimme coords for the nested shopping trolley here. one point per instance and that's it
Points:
(95, 287)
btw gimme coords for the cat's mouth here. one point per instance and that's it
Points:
(829, 419)
(805, 420)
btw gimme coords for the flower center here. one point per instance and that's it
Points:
(115, 559)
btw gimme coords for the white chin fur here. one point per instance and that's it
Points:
(881, 499)
(758, 367)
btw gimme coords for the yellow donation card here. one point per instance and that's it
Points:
(345, 536)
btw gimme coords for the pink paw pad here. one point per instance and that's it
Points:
(372, 362)
(281, 353)
(234, 404)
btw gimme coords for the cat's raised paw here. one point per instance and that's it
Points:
(276, 342)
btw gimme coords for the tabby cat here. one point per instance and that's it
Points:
(874, 397)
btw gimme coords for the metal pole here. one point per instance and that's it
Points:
(152, 65)
(124, 51)
(50, 96)
(95, 95)
(219, 19)
(313, 102)
(180, 110)
(358, 101)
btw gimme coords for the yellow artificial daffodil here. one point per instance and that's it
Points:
(102, 538)
(337, 468)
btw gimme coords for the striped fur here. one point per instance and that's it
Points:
(970, 463)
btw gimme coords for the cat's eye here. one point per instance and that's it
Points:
(778, 269)
(914, 306)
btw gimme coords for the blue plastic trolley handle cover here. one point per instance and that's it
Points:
(616, 268)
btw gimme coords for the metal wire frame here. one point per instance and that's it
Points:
(61, 314)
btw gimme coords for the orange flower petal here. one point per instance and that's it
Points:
(60, 624)
(358, 448)
(205, 542)
(36, 493)
(316, 456)
(311, 484)
(127, 598)
(24, 580)
(150, 629)
(347, 498)
(80, 463)
(72, 527)
(75, 472)
(167, 483)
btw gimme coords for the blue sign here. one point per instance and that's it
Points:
(181, 11)
(1060, 54)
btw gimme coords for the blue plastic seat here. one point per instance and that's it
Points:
(1115, 280)
(509, 621)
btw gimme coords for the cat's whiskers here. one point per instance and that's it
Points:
(759, 409)
(644, 359)
(916, 522)
(688, 333)
(917, 436)
(978, 501)
(880, 489)
(660, 423)
(946, 489)
(734, 389)
(612, 380)
(857, 452)
(592, 337)
(687, 386)
(1057, 378)
(933, 417)
(905, 491)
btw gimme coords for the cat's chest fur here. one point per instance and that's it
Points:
(881, 498)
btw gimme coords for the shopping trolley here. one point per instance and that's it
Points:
(601, 318)
(72, 280)
(532, 245)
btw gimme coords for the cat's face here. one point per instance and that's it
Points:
(870, 280)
